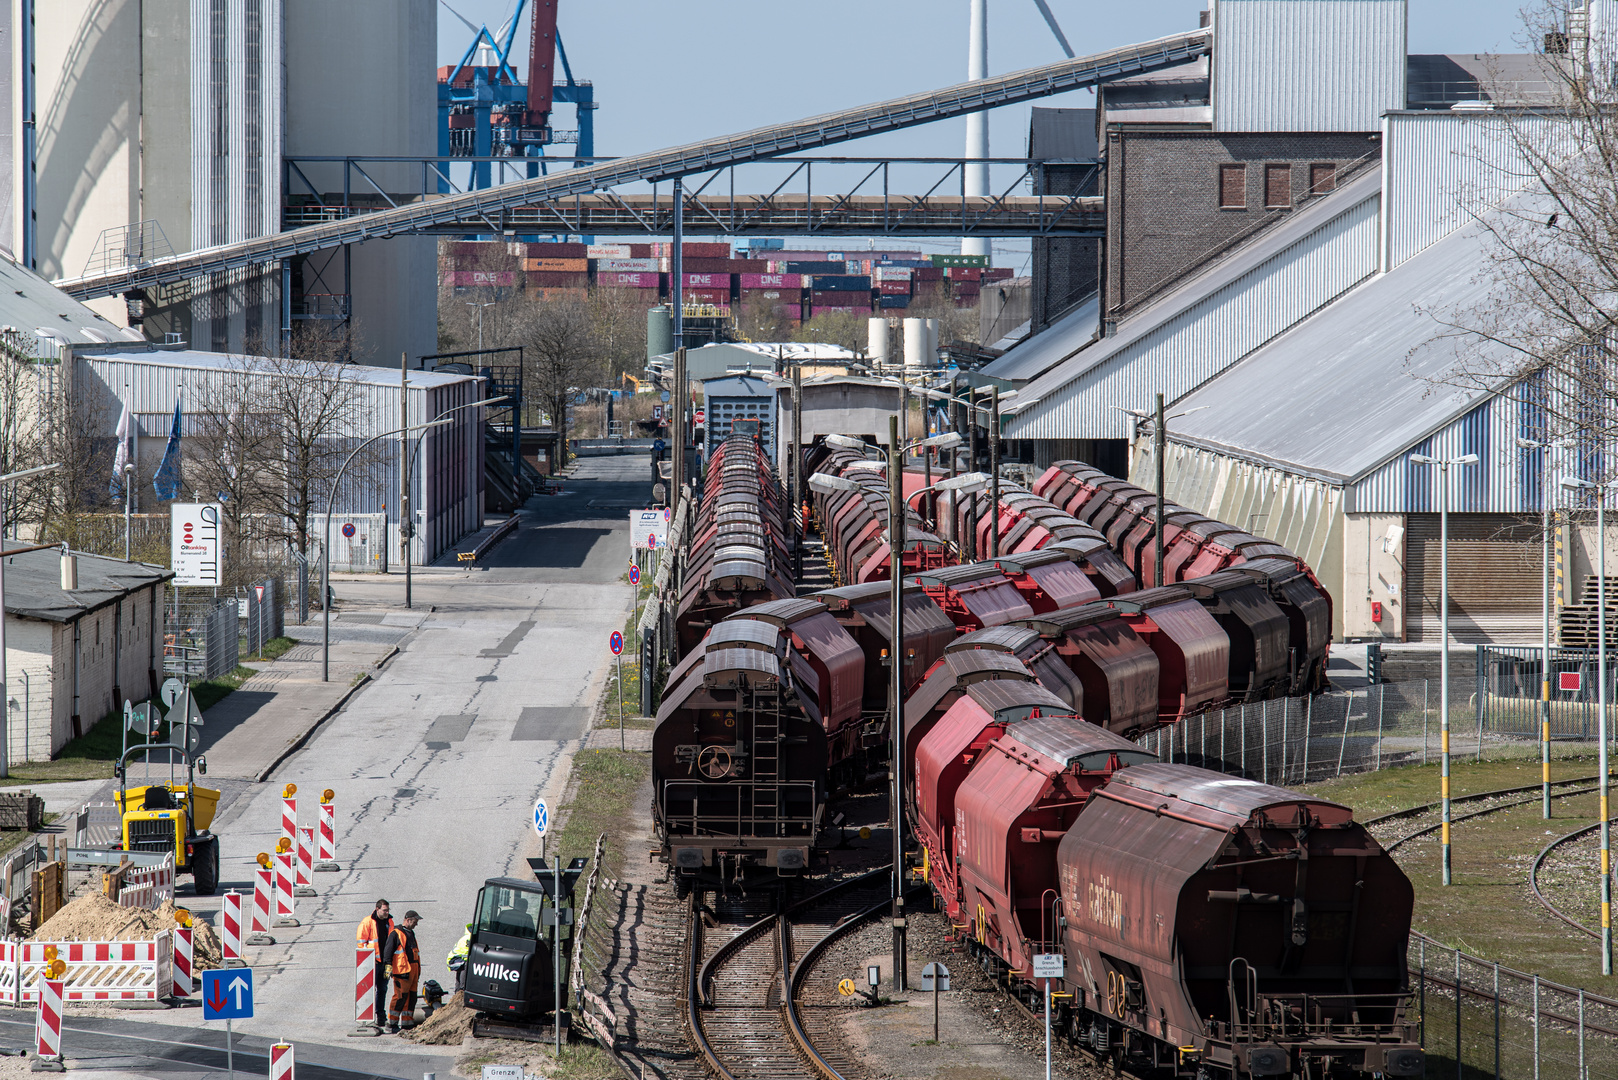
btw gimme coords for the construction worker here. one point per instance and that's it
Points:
(373, 934)
(456, 961)
(403, 957)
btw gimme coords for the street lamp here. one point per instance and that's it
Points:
(827, 484)
(1545, 629)
(1573, 483)
(848, 442)
(964, 484)
(1160, 437)
(1443, 632)
(325, 545)
(5, 721)
(896, 533)
(480, 308)
(407, 528)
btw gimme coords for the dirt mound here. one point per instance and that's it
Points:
(446, 1027)
(95, 918)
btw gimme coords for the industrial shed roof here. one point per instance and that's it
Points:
(31, 304)
(1032, 357)
(34, 583)
(1346, 390)
(196, 360)
(1200, 288)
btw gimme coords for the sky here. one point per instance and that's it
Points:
(667, 72)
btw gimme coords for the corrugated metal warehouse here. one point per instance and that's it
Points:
(447, 495)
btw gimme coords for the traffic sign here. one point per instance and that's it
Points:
(935, 977)
(665, 395)
(668, 515)
(141, 718)
(171, 690)
(1048, 965)
(259, 591)
(700, 416)
(227, 994)
(634, 575)
(1569, 680)
(616, 642)
(542, 817)
(651, 541)
(348, 529)
(847, 987)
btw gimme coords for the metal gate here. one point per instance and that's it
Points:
(1494, 579)
(1509, 690)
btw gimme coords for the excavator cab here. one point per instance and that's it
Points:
(511, 964)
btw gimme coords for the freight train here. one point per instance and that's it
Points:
(1213, 926)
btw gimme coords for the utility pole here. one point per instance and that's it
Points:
(797, 472)
(677, 400)
(994, 472)
(896, 657)
(677, 265)
(1161, 441)
(404, 459)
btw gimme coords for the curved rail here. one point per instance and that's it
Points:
(1533, 879)
(693, 1000)
(1425, 808)
(1395, 845)
(800, 971)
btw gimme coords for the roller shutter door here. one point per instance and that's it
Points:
(1494, 579)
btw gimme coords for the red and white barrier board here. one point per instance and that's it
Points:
(364, 986)
(289, 818)
(182, 961)
(230, 928)
(48, 1024)
(306, 862)
(328, 838)
(98, 970)
(281, 1061)
(283, 891)
(148, 886)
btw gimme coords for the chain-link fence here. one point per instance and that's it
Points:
(201, 639)
(1508, 1023)
(261, 614)
(1291, 741)
(28, 707)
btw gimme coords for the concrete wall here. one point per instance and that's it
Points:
(1163, 200)
(28, 683)
(380, 100)
(114, 661)
(1373, 572)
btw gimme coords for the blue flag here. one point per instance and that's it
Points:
(167, 480)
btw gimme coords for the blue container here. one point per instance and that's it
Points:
(815, 268)
(841, 283)
(896, 301)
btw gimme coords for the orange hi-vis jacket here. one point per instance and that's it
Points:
(402, 955)
(367, 937)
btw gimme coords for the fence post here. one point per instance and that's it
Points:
(1264, 739)
(1581, 1034)
(1342, 746)
(1380, 715)
(1497, 1020)
(1224, 762)
(1482, 697)
(1308, 727)
(1242, 712)
(1283, 769)
(1421, 1000)
(1203, 750)
(1424, 686)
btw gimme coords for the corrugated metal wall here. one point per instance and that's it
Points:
(1304, 515)
(1209, 336)
(448, 495)
(1439, 167)
(237, 101)
(1307, 65)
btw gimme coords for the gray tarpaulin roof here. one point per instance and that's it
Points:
(34, 583)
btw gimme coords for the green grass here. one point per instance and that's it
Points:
(600, 799)
(274, 649)
(90, 756)
(1374, 793)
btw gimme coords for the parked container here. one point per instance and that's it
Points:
(960, 260)
(629, 266)
(555, 279)
(706, 281)
(559, 266)
(929, 273)
(629, 281)
(798, 267)
(555, 251)
(841, 299)
(772, 281)
(895, 302)
(840, 283)
(471, 278)
(609, 251)
(964, 273)
(894, 288)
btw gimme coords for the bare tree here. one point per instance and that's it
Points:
(763, 318)
(618, 324)
(1546, 330)
(27, 384)
(560, 357)
(232, 436)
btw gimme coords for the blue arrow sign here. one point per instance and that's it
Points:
(616, 642)
(227, 994)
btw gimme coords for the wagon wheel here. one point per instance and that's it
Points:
(714, 761)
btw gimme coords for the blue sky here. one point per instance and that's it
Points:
(672, 71)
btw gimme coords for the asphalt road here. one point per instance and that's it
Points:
(436, 765)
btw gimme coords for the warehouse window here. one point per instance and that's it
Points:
(1322, 178)
(1277, 186)
(1233, 187)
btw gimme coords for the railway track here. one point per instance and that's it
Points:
(1545, 901)
(746, 972)
(1499, 799)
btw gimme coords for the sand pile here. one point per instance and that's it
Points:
(95, 918)
(447, 1026)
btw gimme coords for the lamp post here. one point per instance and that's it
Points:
(1160, 441)
(5, 695)
(325, 546)
(480, 307)
(1443, 632)
(1546, 514)
(407, 527)
(1574, 483)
